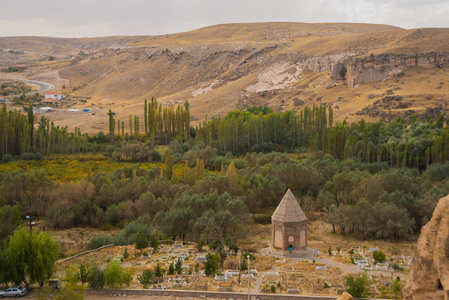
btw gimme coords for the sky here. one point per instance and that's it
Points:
(89, 18)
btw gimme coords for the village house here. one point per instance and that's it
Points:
(54, 95)
(49, 101)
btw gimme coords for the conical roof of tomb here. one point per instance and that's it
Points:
(288, 210)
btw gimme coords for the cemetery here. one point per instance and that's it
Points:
(309, 267)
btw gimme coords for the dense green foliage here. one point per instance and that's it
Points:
(145, 278)
(141, 240)
(371, 200)
(18, 135)
(10, 218)
(113, 274)
(98, 241)
(96, 277)
(357, 287)
(28, 257)
(373, 180)
(379, 256)
(399, 145)
(212, 264)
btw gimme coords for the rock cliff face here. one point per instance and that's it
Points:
(429, 273)
(379, 67)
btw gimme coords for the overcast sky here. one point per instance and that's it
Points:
(87, 18)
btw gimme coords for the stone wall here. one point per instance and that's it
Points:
(85, 252)
(203, 294)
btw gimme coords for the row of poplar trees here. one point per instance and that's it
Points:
(244, 130)
(18, 135)
(163, 124)
(417, 145)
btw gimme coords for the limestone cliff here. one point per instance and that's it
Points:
(379, 67)
(429, 272)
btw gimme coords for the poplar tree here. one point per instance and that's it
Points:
(111, 123)
(145, 115)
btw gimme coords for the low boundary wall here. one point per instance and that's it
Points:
(203, 294)
(85, 252)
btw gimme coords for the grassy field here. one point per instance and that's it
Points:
(77, 167)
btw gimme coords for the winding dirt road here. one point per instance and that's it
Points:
(44, 85)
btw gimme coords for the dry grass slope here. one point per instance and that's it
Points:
(231, 66)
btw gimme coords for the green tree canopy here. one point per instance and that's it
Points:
(113, 274)
(29, 257)
(357, 287)
(141, 240)
(212, 264)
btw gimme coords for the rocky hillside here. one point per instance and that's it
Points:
(353, 67)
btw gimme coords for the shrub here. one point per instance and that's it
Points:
(6, 158)
(154, 156)
(262, 219)
(379, 256)
(273, 289)
(141, 240)
(359, 287)
(30, 156)
(112, 215)
(125, 253)
(84, 271)
(145, 278)
(171, 269)
(96, 278)
(297, 102)
(128, 234)
(437, 172)
(201, 243)
(178, 267)
(113, 274)
(212, 264)
(397, 267)
(60, 215)
(98, 240)
(127, 276)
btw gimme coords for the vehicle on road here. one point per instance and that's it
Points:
(15, 291)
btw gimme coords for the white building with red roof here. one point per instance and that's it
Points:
(54, 95)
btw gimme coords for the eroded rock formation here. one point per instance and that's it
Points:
(429, 272)
(374, 68)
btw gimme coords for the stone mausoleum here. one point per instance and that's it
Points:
(288, 226)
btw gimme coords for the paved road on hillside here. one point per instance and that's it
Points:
(44, 86)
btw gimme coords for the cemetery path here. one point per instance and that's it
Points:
(256, 286)
(341, 266)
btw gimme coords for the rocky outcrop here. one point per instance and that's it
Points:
(378, 67)
(429, 272)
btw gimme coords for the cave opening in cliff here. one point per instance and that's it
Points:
(440, 286)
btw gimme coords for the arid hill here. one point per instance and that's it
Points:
(363, 70)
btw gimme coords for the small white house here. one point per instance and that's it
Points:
(54, 95)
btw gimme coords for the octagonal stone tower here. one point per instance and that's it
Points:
(289, 226)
